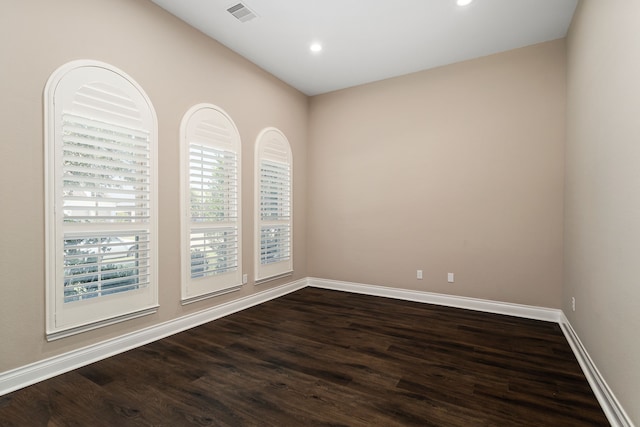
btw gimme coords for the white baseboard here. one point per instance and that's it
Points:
(35, 372)
(610, 405)
(517, 310)
(42, 370)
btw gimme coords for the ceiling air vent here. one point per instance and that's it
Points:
(242, 12)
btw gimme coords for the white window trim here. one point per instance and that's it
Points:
(206, 287)
(58, 324)
(268, 272)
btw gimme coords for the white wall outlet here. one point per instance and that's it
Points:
(419, 274)
(573, 303)
(450, 277)
(245, 279)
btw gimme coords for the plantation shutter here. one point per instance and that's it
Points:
(101, 221)
(274, 205)
(211, 224)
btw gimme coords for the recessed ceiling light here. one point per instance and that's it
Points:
(463, 2)
(315, 47)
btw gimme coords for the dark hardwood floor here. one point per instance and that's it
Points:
(326, 358)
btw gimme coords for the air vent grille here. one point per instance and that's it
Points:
(242, 12)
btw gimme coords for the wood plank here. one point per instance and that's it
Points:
(319, 358)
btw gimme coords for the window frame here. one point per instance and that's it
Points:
(197, 289)
(62, 95)
(272, 145)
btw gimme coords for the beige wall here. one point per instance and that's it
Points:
(177, 67)
(456, 169)
(602, 206)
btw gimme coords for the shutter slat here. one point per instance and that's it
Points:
(115, 167)
(83, 138)
(141, 181)
(103, 218)
(85, 122)
(92, 174)
(197, 272)
(102, 208)
(95, 150)
(212, 156)
(74, 188)
(141, 200)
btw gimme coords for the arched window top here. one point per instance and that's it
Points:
(273, 145)
(102, 92)
(211, 125)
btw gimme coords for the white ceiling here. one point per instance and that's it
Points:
(370, 40)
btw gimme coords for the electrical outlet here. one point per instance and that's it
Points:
(245, 279)
(573, 303)
(450, 277)
(419, 274)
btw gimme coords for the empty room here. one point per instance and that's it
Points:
(313, 212)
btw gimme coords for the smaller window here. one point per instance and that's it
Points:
(211, 235)
(274, 216)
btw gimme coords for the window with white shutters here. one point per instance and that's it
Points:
(101, 233)
(211, 235)
(274, 230)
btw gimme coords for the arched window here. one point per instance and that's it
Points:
(274, 206)
(211, 232)
(100, 171)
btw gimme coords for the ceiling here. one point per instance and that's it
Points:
(369, 40)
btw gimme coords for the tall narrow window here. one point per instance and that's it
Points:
(100, 145)
(274, 227)
(211, 234)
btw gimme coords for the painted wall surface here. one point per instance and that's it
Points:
(602, 206)
(457, 169)
(178, 67)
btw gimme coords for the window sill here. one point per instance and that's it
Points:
(56, 335)
(275, 277)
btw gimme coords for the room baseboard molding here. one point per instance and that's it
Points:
(518, 310)
(610, 405)
(35, 372)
